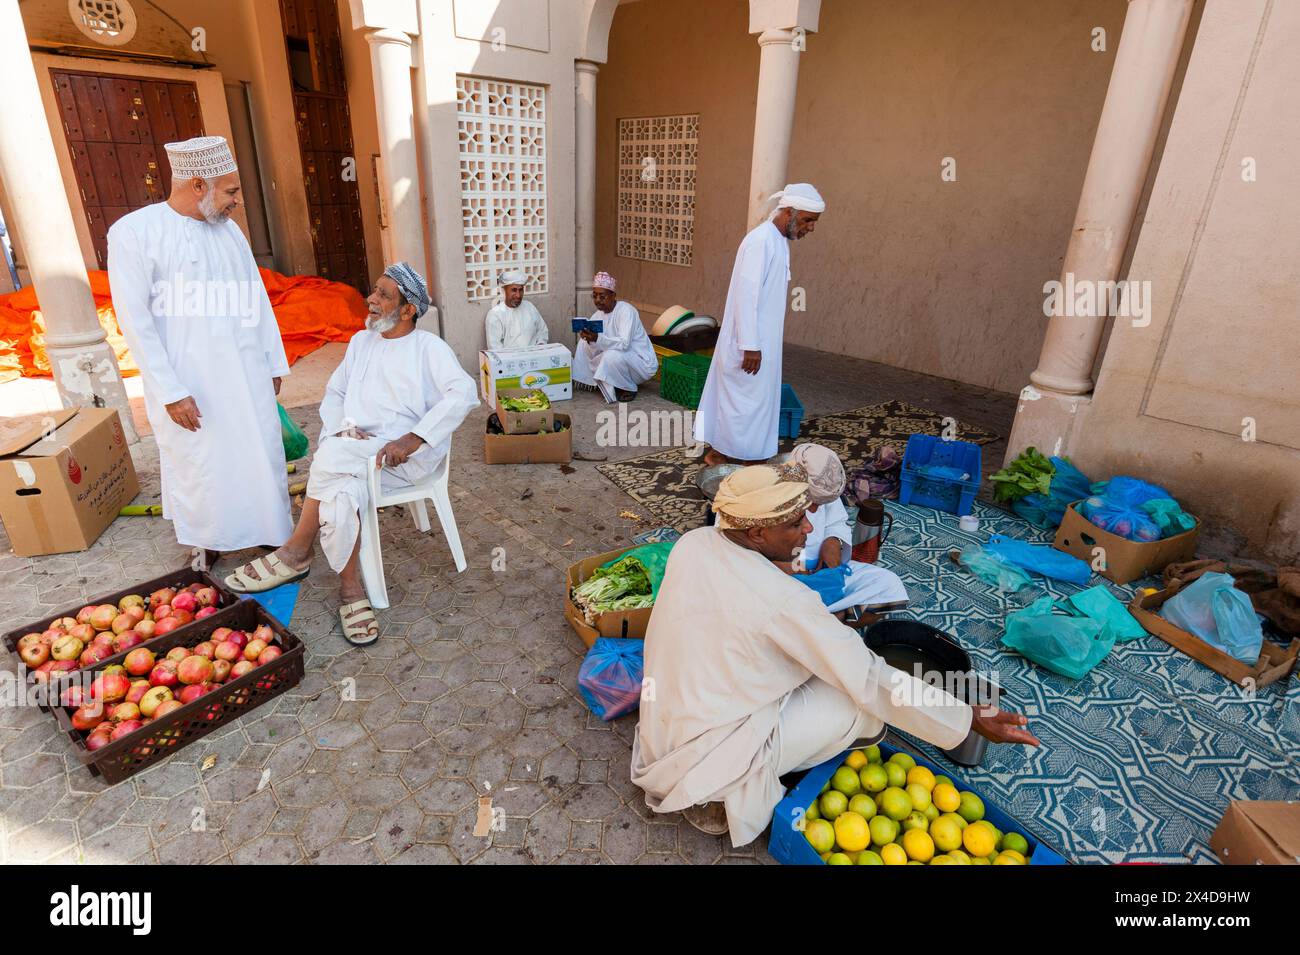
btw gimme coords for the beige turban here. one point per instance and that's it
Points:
(824, 470)
(758, 497)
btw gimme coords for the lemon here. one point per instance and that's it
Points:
(856, 759)
(971, 808)
(919, 795)
(812, 812)
(820, 835)
(883, 830)
(946, 834)
(980, 862)
(863, 805)
(851, 832)
(845, 781)
(941, 860)
(867, 857)
(960, 857)
(832, 804)
(895, 803)
(921, 775)
(1011, 854)
(961, 823)
(916, 820)
(839, 858)
(979, 839)
(826, 785)
(946, 797)
(907, 762)
(1015, 841)
(914, 862)
(896, 773)
(893, 854)
(918, 845)
(874, 778)
(873, 754)
(931, 812)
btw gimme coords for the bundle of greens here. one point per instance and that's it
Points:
(533, 401)
(623, 585)
(1029, 473)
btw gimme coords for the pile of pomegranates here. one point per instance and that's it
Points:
(98, 632)
(143, 688)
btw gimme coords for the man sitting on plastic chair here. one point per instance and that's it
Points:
(394, 402)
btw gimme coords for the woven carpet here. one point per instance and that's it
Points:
(664, 481)
(1141, 756)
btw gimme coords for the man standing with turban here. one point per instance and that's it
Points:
(514, 322)
(393, 403)
(753, 679)
(621, 357)
(740, 407)
(194, 311)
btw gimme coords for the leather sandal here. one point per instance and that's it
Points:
(360, 628)
(272, 572)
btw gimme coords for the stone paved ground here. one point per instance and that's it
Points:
(471, 692)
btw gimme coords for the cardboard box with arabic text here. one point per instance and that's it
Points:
(547, 367)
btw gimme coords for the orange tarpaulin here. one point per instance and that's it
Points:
(310, 312)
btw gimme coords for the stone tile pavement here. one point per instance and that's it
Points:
(470, 693)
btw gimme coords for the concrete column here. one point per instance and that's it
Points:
(778, 80)
(399, 170)
(1154, 30)
(85, 368)
(584, 165)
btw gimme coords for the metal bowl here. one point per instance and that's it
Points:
(708, 479)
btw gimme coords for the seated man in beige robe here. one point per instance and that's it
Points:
(749, 677)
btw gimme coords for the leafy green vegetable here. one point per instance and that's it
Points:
(533, 401)
(1030, 472)
(624, 585)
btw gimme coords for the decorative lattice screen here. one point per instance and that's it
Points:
(656, 187)
(502, 181)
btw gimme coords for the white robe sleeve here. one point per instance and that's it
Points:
(458, 396)
(617, 335)
(748, 292)
(836, 654)
(495, 328)
(540, 334)
(837, 522)
(130, 284)
(331, 406)
(268, 328)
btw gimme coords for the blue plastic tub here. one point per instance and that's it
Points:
(791, 413)
(789, 847)
(943, 494)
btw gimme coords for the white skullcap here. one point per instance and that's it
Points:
(204, 156)
(604, 280)
(801, 196)
(512, 277)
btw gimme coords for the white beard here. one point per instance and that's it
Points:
(382, 323)
(208, 209)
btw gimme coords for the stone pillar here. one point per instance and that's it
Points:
(1051, 406)
(85, 368)
(584, 164)
(778, 79)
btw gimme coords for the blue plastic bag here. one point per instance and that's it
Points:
(610, 676)
(1040, 558)
(1048, 510)
(1220, 614)
(1104, 607)
(1117, 506)
(1070, 646)
(829, 582)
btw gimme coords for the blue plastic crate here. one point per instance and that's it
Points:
(791, 413)
(943, 494)
(788, 846)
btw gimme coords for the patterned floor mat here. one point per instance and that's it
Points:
(664, 481)
(1141, 756)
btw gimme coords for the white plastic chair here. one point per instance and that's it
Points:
(434, 487)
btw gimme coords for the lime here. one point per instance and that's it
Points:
(1009, 857)
(845, 780)
(867, 857)
(980, 862)
(863, 805)
(907, 762)
(873, 777)
(941, 860)
(931, 812)
(919, 795)
(851, 832)
(959, 856)
(894, 802)
(820, 835)
(883, 830)
(943, 780)
(946, 834)
(896, 774)
(826, 786)
(961, 823)
(1014, 841)
(873, 754)
(833, 803)
(839, 858)
(812, 812)
(916, 820)
(971, 808)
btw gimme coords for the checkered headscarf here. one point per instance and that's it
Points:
(412, 285)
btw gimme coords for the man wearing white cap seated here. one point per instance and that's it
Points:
(621, 357)
(740, 407)
(514, 322)
(195, 313)
(753, 679)
(395, 400)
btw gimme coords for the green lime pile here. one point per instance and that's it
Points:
(899, 813)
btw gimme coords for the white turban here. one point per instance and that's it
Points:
(824, 470)
(513, 277)
(801, 196)
(205, 157)
(604, 280)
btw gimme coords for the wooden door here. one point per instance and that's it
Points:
(320, 98)
(116, 127)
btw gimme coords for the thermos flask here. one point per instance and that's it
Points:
(870, 531)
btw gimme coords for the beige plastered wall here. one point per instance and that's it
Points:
(906, 269)
(1221, 352)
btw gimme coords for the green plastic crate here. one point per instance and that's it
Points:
(683, 378)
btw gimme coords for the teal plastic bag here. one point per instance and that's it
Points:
(295, 442)
(1169, 516)
(1101, 605)
(1216, 611)
(653, 557)
(1070, 646)
(993, 570)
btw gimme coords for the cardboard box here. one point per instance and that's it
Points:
(1258, 833)
(631, 624)
(63, 478)
(522, 422)
(1126, 560)
(547, 367)
(553, 448)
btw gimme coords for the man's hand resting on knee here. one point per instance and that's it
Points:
(396, 452)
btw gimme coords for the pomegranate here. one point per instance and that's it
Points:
(121, 622)
(221, 634)
(162, 612)
(124, 711)
(87, 717)
(83, 615)
(57, 666)
(185, 601)
(242, 667)
(100, 737)
(102, 617)
(238, 638)
(204, 612)
(83, 632)
(264, 633)
(156, 697)
(67, 647)
(125, 728)
(229, 651)
(93, 654)
(49, 636)
(42, 672)
(145, 627)
(34, 655)
(166, 707)
(194, 669)
(131, 600)
(64, 623)
(30, 640)
(165, 625)
(177, 654)
(105, 641)
(73, 696)
(164, 674)
(127, 640)
(207, 596)
(267, 655)
(112, 687)
(190, 693)
(160, 597)
(254, 649)
(138, 689)
(221, 670)
(206, 649)
(139, 661)
(182, 617)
